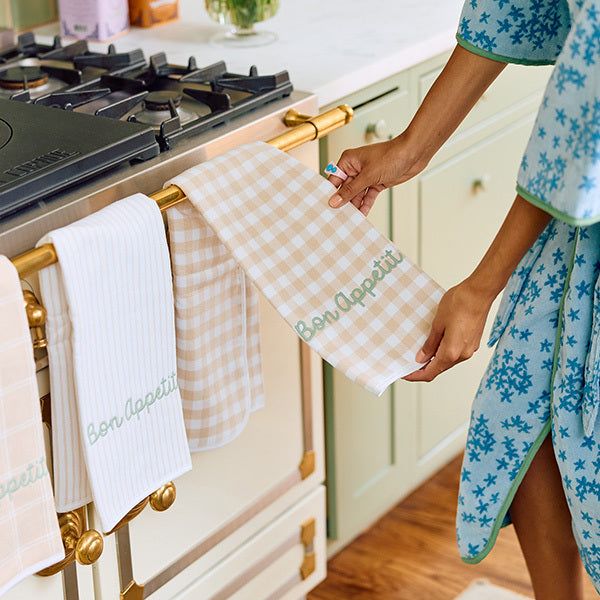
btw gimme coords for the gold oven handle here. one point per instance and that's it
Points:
(303, 129)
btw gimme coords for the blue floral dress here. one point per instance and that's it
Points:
(544, 376)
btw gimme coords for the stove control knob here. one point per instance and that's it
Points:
(378, 131)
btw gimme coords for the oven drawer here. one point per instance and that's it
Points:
(284, 561)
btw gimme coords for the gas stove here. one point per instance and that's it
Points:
(68, 114)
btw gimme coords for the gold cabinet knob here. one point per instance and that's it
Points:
(163, 497)
(36, 317)
(89, 547)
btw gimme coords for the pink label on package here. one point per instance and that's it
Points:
(93, 19)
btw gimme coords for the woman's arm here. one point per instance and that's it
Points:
(458, 325)
(375, 167)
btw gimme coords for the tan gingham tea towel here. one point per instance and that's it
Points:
(29, 534)
(344, 288)
(113, 367)
(218, 342)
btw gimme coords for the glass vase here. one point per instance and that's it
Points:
(241, 16)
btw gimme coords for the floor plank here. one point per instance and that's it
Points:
(411, 554)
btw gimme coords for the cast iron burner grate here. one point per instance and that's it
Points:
(140, 107)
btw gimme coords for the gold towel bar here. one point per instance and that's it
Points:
(304, 129)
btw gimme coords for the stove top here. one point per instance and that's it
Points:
(67, 113)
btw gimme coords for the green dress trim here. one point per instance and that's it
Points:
(541, 437)
(557, 214)
(499, 57)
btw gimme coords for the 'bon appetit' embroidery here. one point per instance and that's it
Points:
(132, 409)
(344, 302)
(28, 476)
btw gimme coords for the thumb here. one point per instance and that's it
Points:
(351, 187)
(431, 344)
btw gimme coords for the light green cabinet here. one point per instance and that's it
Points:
(462, 202)
(368, 483)
(379, 449)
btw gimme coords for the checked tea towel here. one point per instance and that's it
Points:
(218, 342)
(117, 421)
(344, 288)
(29, 535)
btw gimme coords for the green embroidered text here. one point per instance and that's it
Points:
(344, 302)
(33, 472)
(132, 409)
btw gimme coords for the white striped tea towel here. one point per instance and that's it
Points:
(217, 325)
(29, 534)
(344, 288)
(117, 421)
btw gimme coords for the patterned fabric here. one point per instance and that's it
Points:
(543, 376)
(218, 339)
(30, 538)
(560, 170)
(523, 31)
(344, 288)
(111, 350)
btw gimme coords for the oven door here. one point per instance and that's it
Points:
(236, 492)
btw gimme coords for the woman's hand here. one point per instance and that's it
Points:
(455, 332)
(461, 315)
(373, 168)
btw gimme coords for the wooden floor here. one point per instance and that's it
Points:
(411, 554)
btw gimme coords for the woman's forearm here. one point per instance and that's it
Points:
(375, 167)
(461, 83)
(522, 226)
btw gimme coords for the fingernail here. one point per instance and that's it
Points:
(421, 356)
(335, 201)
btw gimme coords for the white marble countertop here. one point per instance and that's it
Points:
(329, 47)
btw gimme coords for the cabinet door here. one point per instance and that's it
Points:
(363, 471)
(462, 203)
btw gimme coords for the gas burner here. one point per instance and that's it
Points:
(22, 78)
(160, 100)
(164, 106)
(130, 108)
